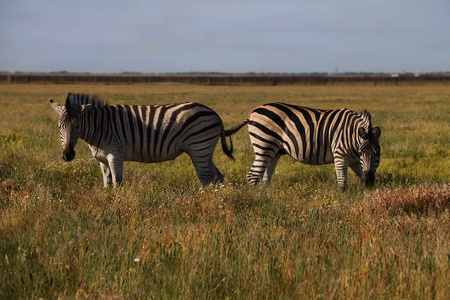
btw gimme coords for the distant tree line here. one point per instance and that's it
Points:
(216, 79)
(376, 74)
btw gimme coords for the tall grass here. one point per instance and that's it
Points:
(163, 235)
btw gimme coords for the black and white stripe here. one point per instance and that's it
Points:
(148, 134)
(313, 136)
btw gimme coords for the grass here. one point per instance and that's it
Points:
(162, 235)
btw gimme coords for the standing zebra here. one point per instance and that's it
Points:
(313, 136)
(141, 133)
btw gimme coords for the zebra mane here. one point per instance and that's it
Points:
(365, 115)
(83, 99)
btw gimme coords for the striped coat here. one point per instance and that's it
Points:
(312, 136)
(155, 133)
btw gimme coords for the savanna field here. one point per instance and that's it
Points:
(163, 235)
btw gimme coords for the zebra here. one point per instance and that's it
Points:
(148, 134)
(312, 136)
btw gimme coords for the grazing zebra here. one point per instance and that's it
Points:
(141, 133)
(313, 136)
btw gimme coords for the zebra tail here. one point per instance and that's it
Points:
(236, 128)
(229, 132)
(223, 138)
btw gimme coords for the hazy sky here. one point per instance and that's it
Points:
(225, 36)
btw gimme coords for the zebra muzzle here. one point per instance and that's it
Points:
(68, 155)
(369, 178)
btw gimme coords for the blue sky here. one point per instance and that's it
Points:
(110, 36)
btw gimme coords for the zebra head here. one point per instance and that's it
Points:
(69, 125)
(369, 153)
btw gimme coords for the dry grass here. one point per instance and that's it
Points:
(164, 236)
(414, 199)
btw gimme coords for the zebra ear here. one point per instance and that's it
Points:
(377, 131)
(362, 133)
(85, 108)
(55, 105)
(67, 105)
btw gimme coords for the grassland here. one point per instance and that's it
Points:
(162, 235)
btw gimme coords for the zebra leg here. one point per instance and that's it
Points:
(116, 167)
(107, 176)
(218, 175)
(206, 170)
(258, 169)
(341, 166)
(271, 168)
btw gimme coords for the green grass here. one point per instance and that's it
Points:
(162, 235)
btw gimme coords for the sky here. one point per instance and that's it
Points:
(238, 36)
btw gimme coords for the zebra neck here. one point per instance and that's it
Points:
(90, 130)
